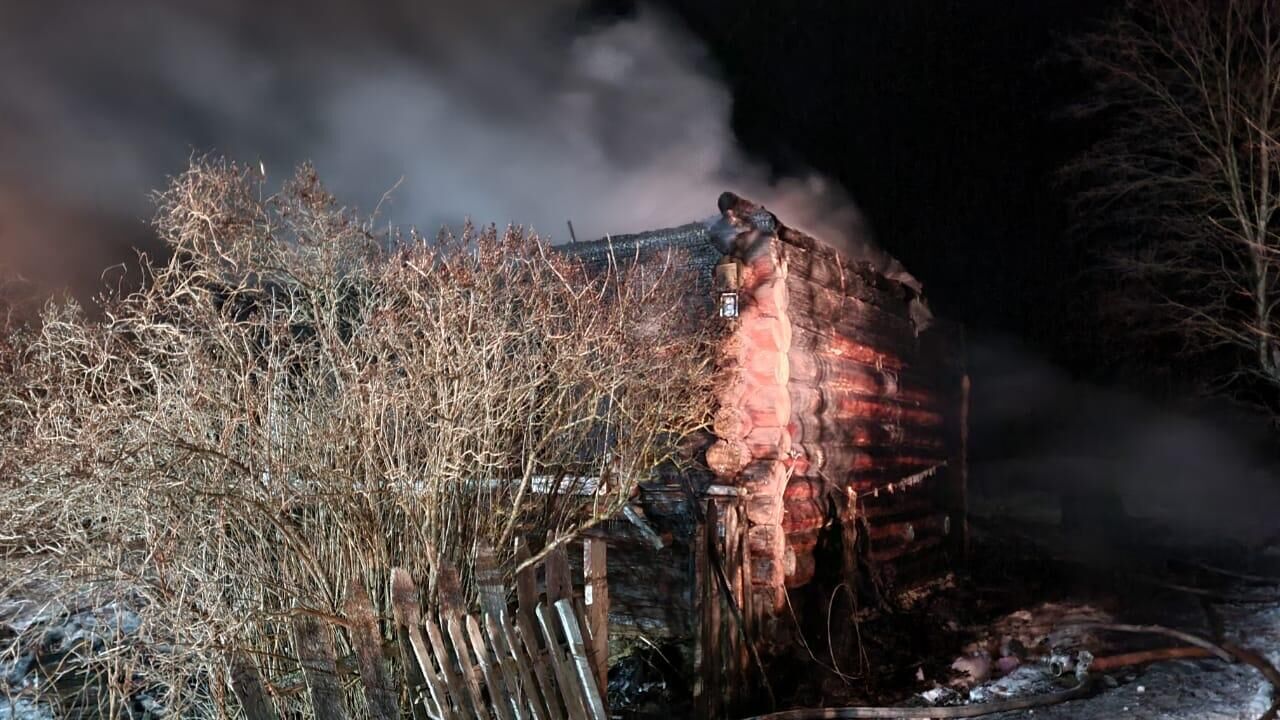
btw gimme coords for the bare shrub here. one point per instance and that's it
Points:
(1183, 186)
(294, 403)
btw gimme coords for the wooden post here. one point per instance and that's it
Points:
(314, 645)
(246, 684)
(366, 640)
(526, 583)
(699, 603)
(708, 656)
(556, 565)
(493, 596)
(711, 620)
(596, 593)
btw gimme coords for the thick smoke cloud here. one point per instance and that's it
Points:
(508, 112)
(1199, 472)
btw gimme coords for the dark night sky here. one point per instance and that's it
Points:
(938, 117)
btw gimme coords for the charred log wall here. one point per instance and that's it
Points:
(840, 406)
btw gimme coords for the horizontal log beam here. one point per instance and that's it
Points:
(838, 404)
(886, 534)
(854, 279)
(828, 367)
(831, 309)
(819, 429)
(838, 462)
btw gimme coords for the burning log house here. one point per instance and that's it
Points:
(836, 455)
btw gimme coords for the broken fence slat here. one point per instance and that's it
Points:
(517, 685)
(418, 665)
(439, 695)
(453, 626)
(570, 690)
(528, 638)
(499, 697)
(314, 645)
(591, 694)
(457, 690)
(414, 681)
(246, 684)
(367, 643)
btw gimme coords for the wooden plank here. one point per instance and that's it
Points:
(559, 581)
(591, 692)
(699, 601)
(246, 684)
(457, 636)
(525, 641)
(449, 586)
(711, 625)
(366, 640)
(313, 643)
(457, 689)
(570, 690)
(514, 674)
(499, 696)
(413, 678)
(734, 647)
(493, 594)
(526, 583)
(404, 606)
(596, 593)
(748, 608)
(439, 696)
(744, 601)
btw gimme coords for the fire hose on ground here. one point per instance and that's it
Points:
(1088, 674)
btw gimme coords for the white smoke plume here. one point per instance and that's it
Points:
(508, 112)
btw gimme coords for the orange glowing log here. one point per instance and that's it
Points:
(859, 467)
(731, 423)
(727, 457)
(831, 310)
(802, 515)
(832, 350)
(834, 403)
(810, 429)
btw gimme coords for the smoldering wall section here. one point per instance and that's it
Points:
(1188, 474)
(534, 113)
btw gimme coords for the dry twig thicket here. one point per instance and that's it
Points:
(293, 404)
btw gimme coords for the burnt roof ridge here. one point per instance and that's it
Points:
(742, 222)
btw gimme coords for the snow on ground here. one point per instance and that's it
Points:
(1182, 690)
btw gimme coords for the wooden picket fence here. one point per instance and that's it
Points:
(545, 658)
(548, 659)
